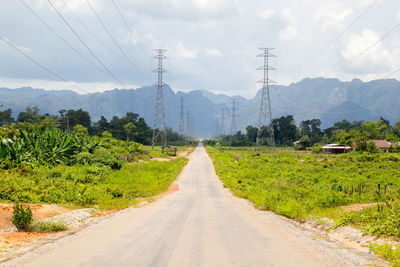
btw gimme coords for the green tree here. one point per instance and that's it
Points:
(374, 130)
(30, 115)
(396, 129)
(70, 118)
(106, 134)
(80, 130)
(285, 130)
(311, 128)
(130, 130)
(251, 133)
(5, 117)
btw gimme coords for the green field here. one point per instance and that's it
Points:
(51, 166)
(301, 185)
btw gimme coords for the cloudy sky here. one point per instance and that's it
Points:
(212, 44)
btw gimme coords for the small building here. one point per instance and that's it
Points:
(383, 145)
(336, 149)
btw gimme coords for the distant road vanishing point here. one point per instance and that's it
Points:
(202, 224)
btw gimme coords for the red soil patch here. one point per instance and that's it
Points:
(11, 240)
(173, 188)
(39, 212)
(14, 239)
(106, 212)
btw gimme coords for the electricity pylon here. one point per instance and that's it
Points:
(181, 129)
(233, 122)
(159, 112)
(265, 115)
(223, 122)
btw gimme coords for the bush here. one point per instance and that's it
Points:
(317, 148)
(100, 157)
(47, 227)
(372, 148)
(22, 218)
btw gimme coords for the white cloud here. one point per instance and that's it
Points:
(213, 52)
(266, 13)
(288, 33)
(376, 60)
(288, 16)
(332, 14)
(184, 52)
(398, 15)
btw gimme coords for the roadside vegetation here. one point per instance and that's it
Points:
(55, 159)
(306, 186)
(52, 166)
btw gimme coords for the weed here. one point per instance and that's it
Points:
(47, 226)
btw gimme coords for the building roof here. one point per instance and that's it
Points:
(336, 146)
(382, 144)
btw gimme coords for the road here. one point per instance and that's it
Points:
(202, 224)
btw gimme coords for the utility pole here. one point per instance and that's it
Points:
(233, 121)
(159, 112)
(223, 122)
(181, 129)
(265, 115)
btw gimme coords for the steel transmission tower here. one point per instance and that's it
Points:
(159, 113)
(181, 129)
(265, 115)
(188, 126)
(233, 121)
(223, 122)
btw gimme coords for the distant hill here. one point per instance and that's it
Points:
(328, 99)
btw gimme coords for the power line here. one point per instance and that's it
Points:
(354, 58)
(87, 47)
(37, 63)
(115, 42)
(91, 32)
(341, 34)
(334, 40)
(265, 115)
(128, 28)
(392, 73)
(59, 36)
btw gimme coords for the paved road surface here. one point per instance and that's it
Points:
(200, 225)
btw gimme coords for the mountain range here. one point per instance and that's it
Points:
(330, 100)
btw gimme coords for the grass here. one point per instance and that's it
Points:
(299, 185)
(85, 185)
(47, 227)
(389, 253)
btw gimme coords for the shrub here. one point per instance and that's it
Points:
(100, 157)
(372, 148)
(47, 227)
(317, 148)
(21, 217)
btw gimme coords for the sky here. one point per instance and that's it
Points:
(212, 44)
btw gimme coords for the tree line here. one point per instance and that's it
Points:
(309, 132)
(130, 127)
